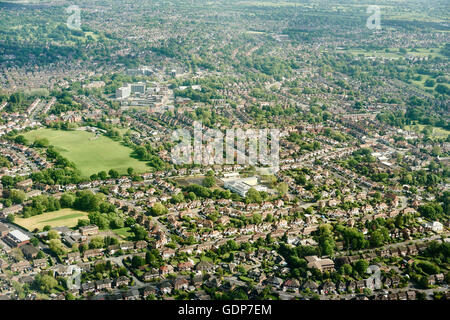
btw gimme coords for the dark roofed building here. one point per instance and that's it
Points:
(122, 281)
(149, 290)
(103, 284)
(4, 230)
(16, 238)
(88, 287)
(40, 263)
(204, 266)
(29, 251)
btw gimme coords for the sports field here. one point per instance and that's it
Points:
(63, 217)
(90, 153)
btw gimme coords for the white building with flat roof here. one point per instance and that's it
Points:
(123, 92)
(19, 235)
(238, 187)
(435, 226)
(242, 185)
(141, 71)
(16, 238)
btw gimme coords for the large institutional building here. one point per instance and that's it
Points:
(130, 88)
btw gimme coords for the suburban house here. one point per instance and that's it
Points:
(321, 264)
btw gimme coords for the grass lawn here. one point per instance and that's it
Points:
(63, 217)
(123, 232)
(206, 259)
(90, 154)
(421, 83)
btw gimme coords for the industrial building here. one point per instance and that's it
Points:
(16, 238)
(242, 185)
(129, 89)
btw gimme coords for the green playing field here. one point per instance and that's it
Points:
(90, 153)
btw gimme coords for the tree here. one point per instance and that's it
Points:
(327, 246)
(7, 181)
(129, 221)
(209, 182)
(192, 196)
(87, 201)
(428, 267)
(17, 196)
(130, 171)
(110, 241)
(82, 223)
(140, 233)
(361, 266)
(70, 296)
(199, 191)
(376, 238)
(113, 173)
(117, 223)
(67, 200)
(103, 175)
(137, 262)
(253, 196)
(256, 218)
(41, 143)
(20, 140)
(232, 245)
(56, 246)
(429, 83)
(99, 220)
(442, 89)
(423, 282)
(53, 234)
(346, 269)
(96, 243)
(178, 198)
(45, 283)
(158, 209)
(326, 241)
(353, 239)
(431, 211)
(226, 194)
(269, 218)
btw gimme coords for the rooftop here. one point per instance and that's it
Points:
(22, 237)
